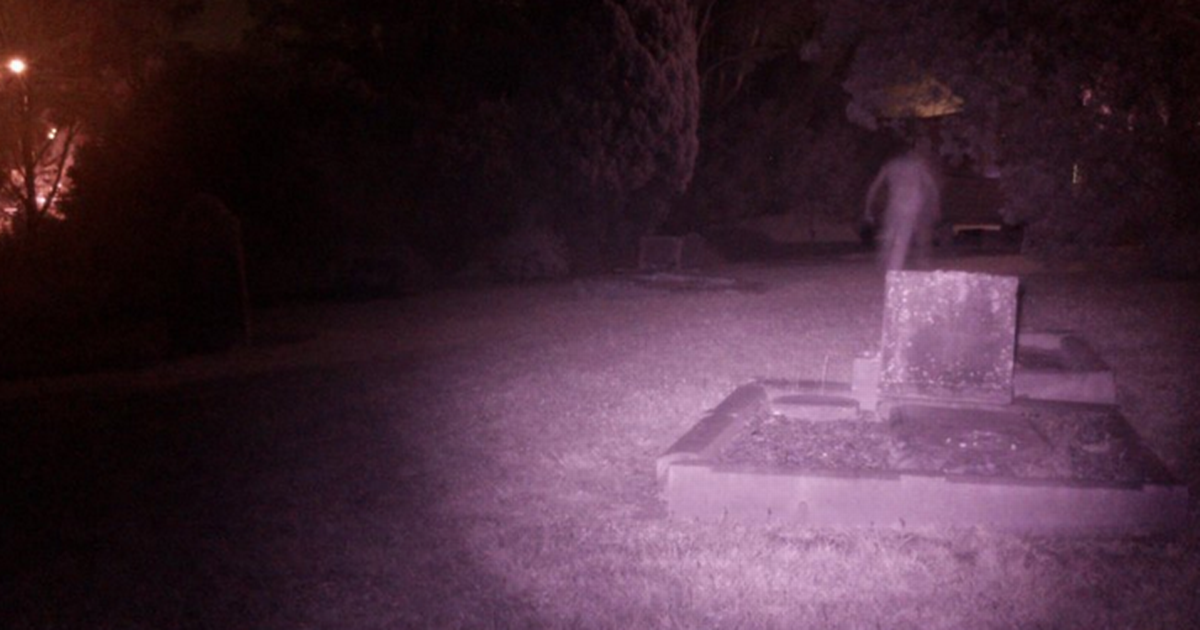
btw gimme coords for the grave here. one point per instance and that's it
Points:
(957, 420)
(673, 254)
(660, 253)
(209, 308)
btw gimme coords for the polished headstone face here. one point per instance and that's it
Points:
(949, 336)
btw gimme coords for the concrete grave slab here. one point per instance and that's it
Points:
(1061, 366)
(1030, 466)
(948, 335)
(822, 401)
(948, 440)
(741, 494)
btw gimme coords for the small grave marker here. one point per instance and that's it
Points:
(210, 306)
(660, 253)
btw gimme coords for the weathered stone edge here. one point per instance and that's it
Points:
(716, 429)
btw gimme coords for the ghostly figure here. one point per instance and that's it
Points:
(912, 211)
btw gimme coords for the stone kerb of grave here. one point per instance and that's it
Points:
(948, 336)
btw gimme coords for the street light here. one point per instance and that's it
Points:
(28, 197)
(42, 158)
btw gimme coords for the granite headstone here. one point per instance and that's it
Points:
(949, 336)
(210, 303)
(660, 253)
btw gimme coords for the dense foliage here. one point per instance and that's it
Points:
(436, 135)
(610, 135)
(1088, 108)
(63, 63)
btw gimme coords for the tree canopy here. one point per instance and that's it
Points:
(611, 133)
(361, 127)
(1089, 109)
(66, 63)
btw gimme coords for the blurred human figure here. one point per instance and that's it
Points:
(912, 211)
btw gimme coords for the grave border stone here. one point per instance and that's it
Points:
(696, 484)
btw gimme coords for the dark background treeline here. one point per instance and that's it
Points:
(391, 145)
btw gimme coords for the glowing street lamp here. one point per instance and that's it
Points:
(42, 153)
(28, 166)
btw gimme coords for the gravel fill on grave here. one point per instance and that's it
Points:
(1080, 444)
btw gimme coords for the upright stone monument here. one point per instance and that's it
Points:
(210, 306)
(948, 336)
(660, 253)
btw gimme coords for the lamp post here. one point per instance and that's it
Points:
(28, 201)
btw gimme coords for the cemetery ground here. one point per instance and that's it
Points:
(484, 458)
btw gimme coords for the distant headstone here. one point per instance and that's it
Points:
(675, 253)
(660, 253)
(210, 310)
(696, 253)
(949, 336)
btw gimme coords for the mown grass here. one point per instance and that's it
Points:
(485, 458)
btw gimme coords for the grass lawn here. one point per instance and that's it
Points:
(484, 458)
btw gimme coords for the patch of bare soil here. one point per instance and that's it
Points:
(777, 440)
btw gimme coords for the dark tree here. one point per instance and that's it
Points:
(84, 62)
(403, 121)
(774, 138)
(443, 126)
(609, 120)
(64, 64)
(206, 124)
(1088, 109)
